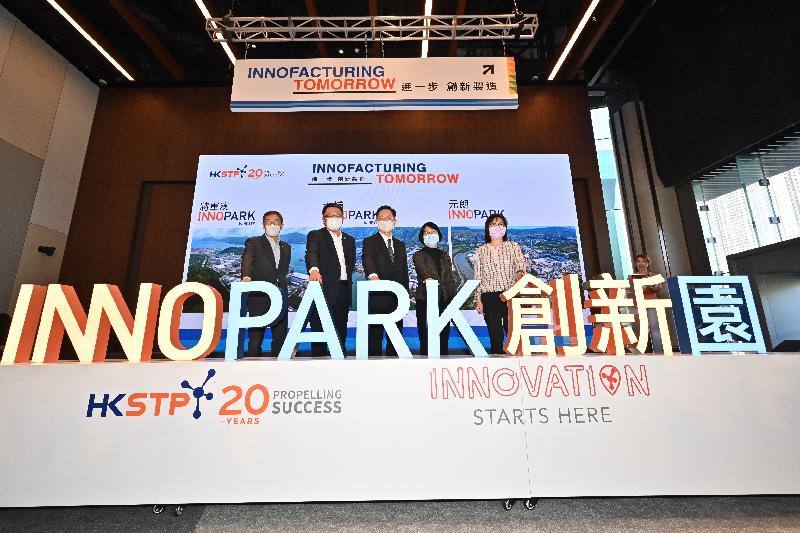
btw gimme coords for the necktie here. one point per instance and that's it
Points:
(391, 249)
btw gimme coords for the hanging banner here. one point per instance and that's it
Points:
(467, 83)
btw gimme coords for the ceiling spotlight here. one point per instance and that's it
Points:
(90, 39)
(427, 22)
(571, 42)
(204, 10)
(341, 51)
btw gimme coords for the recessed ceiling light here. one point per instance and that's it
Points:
(572, 39)
(218, 35)
(428, 11)
(90, 39)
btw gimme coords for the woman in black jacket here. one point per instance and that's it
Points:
(432, 263)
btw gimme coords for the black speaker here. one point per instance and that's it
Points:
(789, 345)
(5, 324)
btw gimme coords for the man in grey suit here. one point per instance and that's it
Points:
(266, 258)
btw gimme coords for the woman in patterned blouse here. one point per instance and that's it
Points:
(498, 264)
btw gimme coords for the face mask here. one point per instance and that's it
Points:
(431, 240)
(385, 225)
(272, 230)
(333, 223)
(497, 232)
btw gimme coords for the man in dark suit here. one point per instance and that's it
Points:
(384, 257)
(330, 259)
(266, 258)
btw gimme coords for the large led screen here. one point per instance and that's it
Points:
(456, 191)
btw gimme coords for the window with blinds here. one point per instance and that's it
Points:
(752, 201)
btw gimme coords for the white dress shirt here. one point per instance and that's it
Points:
(386, 241)
(337, 243)
(276, 250)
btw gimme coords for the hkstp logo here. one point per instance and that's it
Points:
(244, 172)
(237, 173)
(256, 400)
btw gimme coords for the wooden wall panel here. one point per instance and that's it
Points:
(149, 135)
(159, 245)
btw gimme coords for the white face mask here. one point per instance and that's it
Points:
(385, 225)
(333, 223)
(431, 240)
(272, 230)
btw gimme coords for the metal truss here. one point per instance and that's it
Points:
(381, 28)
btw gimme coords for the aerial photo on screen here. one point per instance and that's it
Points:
(215, 256)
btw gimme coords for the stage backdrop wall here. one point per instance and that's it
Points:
(131, 219)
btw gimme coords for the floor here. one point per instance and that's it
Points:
(754, 513)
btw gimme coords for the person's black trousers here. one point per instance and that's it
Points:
(255, 338)
(495, 313)
(380, 303)
(339, 311)
(422, 328)
(258, 305)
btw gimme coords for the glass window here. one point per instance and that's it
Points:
(752, 201)
(612, 199)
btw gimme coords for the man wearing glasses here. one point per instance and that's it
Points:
(384, 257)
(330, 259)
(266, 258)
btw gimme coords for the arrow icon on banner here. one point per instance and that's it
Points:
(488, 69)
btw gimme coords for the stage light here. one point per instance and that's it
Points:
(217, 35)
(572, 39)
(90, 39)
(428, 11)
(341, 51)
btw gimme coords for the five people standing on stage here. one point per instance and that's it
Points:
(330, 259)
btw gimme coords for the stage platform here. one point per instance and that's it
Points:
(219, 431)
(568, 515)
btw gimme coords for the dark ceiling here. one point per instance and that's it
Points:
(163, 42)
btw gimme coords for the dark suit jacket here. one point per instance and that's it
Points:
(375, 256)
(321, 253)
(426, 269)
(258, 261)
